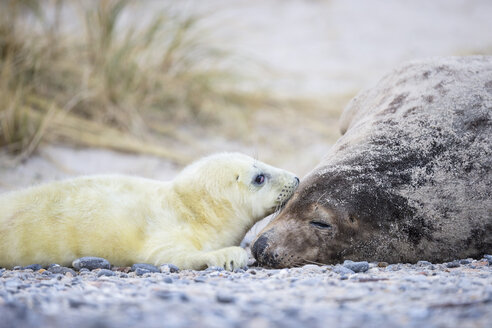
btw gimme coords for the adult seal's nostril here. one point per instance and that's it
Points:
(259, 246)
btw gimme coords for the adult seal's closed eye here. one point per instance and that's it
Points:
(409, 180)
(193, 221)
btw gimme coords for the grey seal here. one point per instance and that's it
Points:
(409, 180)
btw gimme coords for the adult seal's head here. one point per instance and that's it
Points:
(410, 180)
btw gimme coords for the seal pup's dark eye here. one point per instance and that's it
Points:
(260, 178)
(320, 225)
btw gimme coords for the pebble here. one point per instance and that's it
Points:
(60, 270)
(33, 267)
(169, 268)
(342, 270)
(312, 267)
(167, 295)
(454, 264)
(200, 279)
(222, 297)
(141, 271)
(214, 268)
(145, 266)
(105, 272)
(488, 257)
(91, 263)
(356, 266)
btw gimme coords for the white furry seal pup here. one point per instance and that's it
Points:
(193, 221)
(411, 178)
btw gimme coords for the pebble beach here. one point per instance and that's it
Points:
(351, 294)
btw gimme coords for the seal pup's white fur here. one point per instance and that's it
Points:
(193, 221)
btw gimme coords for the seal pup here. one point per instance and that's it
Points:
(193, 221)
(411, 178)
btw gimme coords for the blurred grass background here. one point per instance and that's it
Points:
(128, 87)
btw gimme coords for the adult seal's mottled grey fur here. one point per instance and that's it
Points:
(409, 180)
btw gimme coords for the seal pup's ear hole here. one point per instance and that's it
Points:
(237, 177)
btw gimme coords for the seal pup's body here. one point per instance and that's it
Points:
(193, 221)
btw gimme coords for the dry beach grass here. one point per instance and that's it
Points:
(119, 85)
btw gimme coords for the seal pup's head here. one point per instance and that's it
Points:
(229, 190)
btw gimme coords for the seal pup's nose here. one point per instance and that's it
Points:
(259, 246)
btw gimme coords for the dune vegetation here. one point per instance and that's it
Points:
(105, 82)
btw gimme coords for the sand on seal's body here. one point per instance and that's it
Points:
(193, 221)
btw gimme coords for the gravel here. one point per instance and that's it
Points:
(422, 294)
